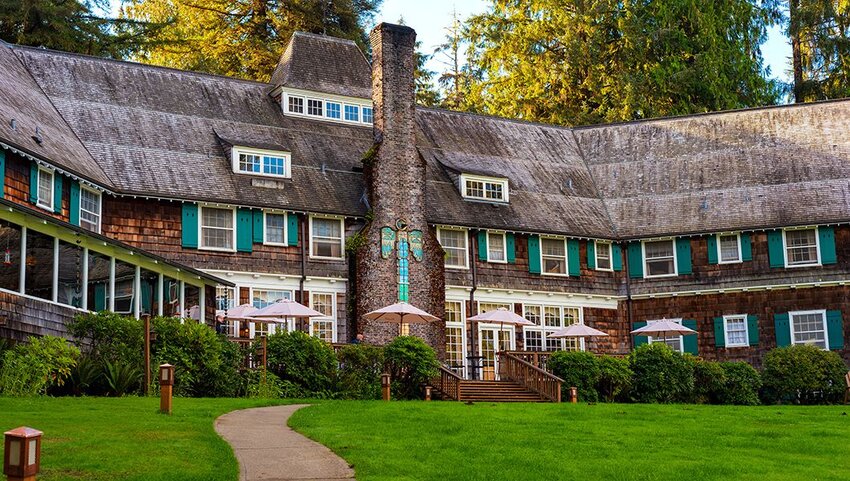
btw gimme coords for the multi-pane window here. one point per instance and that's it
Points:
(496, 247)
(660, 258)
(273, 165)
(735, 329)
(367, 115)
(326, 238)
(296, 105)
(730, 248)
(261, 298)
(547, 320)
(352, 113)
(323, 327)
(553, 253)
(675, 342)
(275, 230)
(261, 163)
(217, 228)
(603, 256)
(454, 244)
(492, 306)
(45, 188)
(90, 209)
(249, 163)
(225, 297)
(809, 327)
(485, 189)
(455, 334)
(314, 107)
(333, 110)
(801, 247)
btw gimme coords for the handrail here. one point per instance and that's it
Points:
(546, 384)
(449, 383)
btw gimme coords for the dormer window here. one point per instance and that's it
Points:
(335, 108)
(314, 107)
(261, 162)
(367, 115)
(296, 105)
(489, 189)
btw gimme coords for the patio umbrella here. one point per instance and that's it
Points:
(400, 312)
(502, 316)
(664, 328)
(285, 308)
(577, 330)
(239, 313)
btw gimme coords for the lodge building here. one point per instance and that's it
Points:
(142, 189)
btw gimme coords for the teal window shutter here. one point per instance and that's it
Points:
(617, 254)
(719, 332)
(573, 261)
(835, 330)
(190, 225)
(753, 329)
(690, 343)
(482, 245)
(591, 254)
(683, 255)
(783, 329)
(510, 246)
(826, 238)
(74, 204)
(57, 193)
(775, 248)
(639, 340)
(2, 173)
(33, 182)
(259, 224)
(99, 297)
(534, 254)
(712, 249)
(746, 247)
(244, 228)
(292, 229)
(635, 254)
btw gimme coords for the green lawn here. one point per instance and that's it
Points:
(452, 441)
(126, 439)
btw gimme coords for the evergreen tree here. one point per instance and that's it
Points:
(423, 78)
(454, 81)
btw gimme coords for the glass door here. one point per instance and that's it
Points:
(492, 340)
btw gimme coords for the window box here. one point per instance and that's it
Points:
(327, 239)
(659, 258)
(553, 255)
(274, 228)
(488, 189)
(454, 242)
(802, 247)
(217, 229)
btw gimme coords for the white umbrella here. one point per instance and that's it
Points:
(239, 313)
(577, 330)
(400, 312)
(285, 308)
(502, 316)
(664, 328)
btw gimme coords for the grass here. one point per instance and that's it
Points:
(126, 439)
(453, 441)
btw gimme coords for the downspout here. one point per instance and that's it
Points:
(628, 296)
(474, 268)
(303, 240)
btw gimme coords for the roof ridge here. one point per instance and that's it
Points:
(495, 117)
(321, 36)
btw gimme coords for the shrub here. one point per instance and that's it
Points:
(803, 374)
(41, 363)
(741, 385)
(360, 367)
(411, 363)
(303, 360)
(660, 374)
(709, 381)
(272, 388)
(112, 337)
(84, 377)
(578, 369)
(122, 378)
(615, 377)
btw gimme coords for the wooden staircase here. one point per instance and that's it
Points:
(497, 391)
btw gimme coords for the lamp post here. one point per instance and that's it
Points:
(166, 384)
(22, 454)
(385, 386)
(146, 318)
(573, 394)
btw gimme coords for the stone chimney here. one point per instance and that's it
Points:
(395, 179)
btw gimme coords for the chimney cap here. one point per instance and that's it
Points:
(395, 28)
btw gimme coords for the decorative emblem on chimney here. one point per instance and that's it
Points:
(405, 243)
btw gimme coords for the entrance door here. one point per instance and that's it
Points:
(491, 340)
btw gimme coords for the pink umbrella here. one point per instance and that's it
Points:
(502, 316)
(664, 328)
(577, 330)
(285, 308)
(239, 312)
(400, 312)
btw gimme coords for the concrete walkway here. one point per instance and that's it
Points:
(268, 450)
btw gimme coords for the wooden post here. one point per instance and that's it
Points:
(385, 386)
(573, 394)
(147, 325)
(166, 384)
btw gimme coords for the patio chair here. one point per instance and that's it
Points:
(847, 389)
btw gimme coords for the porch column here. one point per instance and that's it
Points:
(111, 305)
(159, 294)
(23, 273)
(85, 268)
(181, 304)
(55, 296)
(202, 305)
(137, 292)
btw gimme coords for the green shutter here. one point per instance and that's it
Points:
(639, 340)
(835, 329)
(719, 332)
(2, 173)
(57, 192)
(244, 227)
(826, 237)
(74, 204)
(746, 247)
(683, 255)
(292, 228)
(591, 254)
(482, 245)
(33, 182)
(690, 343)
(775, 248)
(712, 248)
(617, 254)
(573, 261)
(147, 297)
(190, 225)
(259, 222)
(534, 254)
(783, 329)
(635, 254)
(510, 244)
(99, 297)
(753, 329)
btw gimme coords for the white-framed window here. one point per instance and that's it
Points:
(327, 239)
(455, 335)
(603, 256)
(352, 113)
(90, 209)
(226, 297)
(488, 189)
(45, 188)
(315, 107)
(218, 229)
(274, 231)
(547, 320)
(809, 327)
(802, 247)
(728, 248)
(367, 115)
(123, 297)
(262, 297)
(496, 247)
(454, 242)
(735, 330)
(553, 255)
(659, 258)
(261, 162)
(676, 343)
(295, 104)
(333, 110)
(323, 327)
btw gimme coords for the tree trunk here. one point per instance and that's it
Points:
(796, 53)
